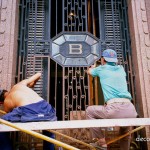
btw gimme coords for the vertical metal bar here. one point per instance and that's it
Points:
(49, 81)
(71, 82)
(63, 96)
(126, 23)
(120, 51)
(23, 50)
(81, 16)
(74, 18)
(63, 16)
(93, 20)
(122, 35)
(67, 17)
(56, 18)
(69, 95)
(76, 98)
(24, 39)
(86, 25)
(94, 33)
(35, 25)
(56, 75)
(80, 86)
(99, 18)
(89, 17)
(115, 24)
(112, 5)
(31, 38)
(23, 44)
(49, 20)
(89, 94)
(106, 19)
(20, 40)
(43, 22)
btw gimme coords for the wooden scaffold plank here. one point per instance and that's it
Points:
(78, 124)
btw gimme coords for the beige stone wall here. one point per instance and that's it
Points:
(8, 41)
(140, 43)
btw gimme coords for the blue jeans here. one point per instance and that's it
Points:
(47, 145)
(5, 142)
(40, 111)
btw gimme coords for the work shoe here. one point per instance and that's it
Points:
(98, 146)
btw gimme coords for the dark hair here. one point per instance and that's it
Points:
(104, 59)
(2, 93)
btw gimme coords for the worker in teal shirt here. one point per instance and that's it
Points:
(116, 95)
(110, 76)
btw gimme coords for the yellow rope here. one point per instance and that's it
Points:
(38, 135)
(72, 139)
(2, 112)
(124, 135)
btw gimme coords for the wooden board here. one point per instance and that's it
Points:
(78, 124)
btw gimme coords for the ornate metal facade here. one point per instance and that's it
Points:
(68, 88)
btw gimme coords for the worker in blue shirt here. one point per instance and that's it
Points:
(116, 96)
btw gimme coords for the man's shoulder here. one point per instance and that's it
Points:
(17, 87)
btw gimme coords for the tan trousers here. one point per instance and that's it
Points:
(110, 111)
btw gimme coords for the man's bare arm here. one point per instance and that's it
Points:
(31, 81)
(89, 71)
(90, 68)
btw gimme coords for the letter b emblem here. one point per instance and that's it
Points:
(75, 48)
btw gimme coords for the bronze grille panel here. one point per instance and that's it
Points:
(69, 89)
(42, 20)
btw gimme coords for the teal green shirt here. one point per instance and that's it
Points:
(113, 81)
